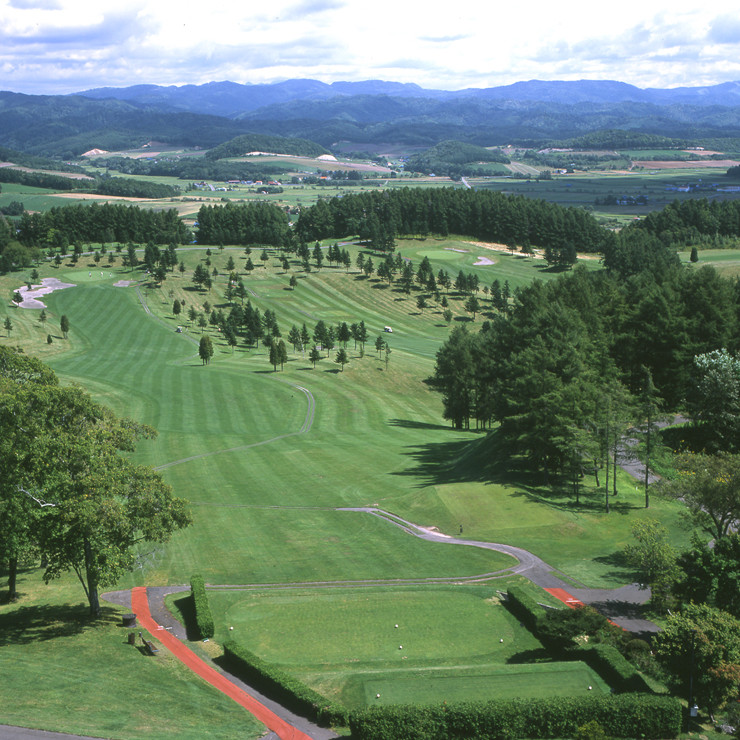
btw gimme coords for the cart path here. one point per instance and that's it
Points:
(621, 605)
(281, 728)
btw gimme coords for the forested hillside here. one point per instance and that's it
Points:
(454, 158)
(66, 126)
(247, 143)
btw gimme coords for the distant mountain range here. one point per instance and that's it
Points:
(232, 100)
(362, 115)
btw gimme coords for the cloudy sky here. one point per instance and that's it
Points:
(61, 46)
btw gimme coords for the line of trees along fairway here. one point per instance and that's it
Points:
(549, 368)
(109, 222)
(701, 221)
(487, 215)
(66, 491)
(253, 223)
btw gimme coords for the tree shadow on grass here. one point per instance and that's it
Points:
(186, 611)
(486, 460)
(621, 570)
(29, 624)
(538, 655)
(413, 424)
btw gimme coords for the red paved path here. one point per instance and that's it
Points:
(565, 597)
(572, 601)
(140, 607)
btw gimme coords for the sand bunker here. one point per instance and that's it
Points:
(483, 261)
(48, 285)
(123, 283)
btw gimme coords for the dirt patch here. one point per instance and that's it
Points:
(495, 247)
(95, 196)
(691, 164)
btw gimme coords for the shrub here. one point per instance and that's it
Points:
(613, 667)
(591, 731)
(523, 606)
(281, 686)
(203, 616)
(627, 715)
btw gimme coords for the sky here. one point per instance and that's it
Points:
(63, 46)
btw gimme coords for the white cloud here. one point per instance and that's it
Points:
(67, 45)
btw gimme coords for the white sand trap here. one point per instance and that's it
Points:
(452, 249)
(123, 283)
(48, 285)
(483, 261)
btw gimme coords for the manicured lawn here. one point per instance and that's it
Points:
(266, 458)
(355, 643)
(60, 672)
(541, 680)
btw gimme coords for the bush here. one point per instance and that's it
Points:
(628, 715)
(613, 667)
(282, 687)
(523, 606)
(203, 616)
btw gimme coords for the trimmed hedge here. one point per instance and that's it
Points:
(613, 667)
(282, 687)
(203, 616)
(627, 715)
(605, 659)
(523, 606)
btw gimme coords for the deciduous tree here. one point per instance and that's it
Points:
(654, 559)
(707, 640)
(709, 486)
(205, 347)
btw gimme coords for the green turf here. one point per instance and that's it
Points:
(266, 458)
(352, 644)
(62, 673)
(539, 681)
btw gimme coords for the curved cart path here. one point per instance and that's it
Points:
(622, 606)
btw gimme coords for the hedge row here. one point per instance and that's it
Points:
(203, 616)
(606, 660)
(282, 687)
(523, 606)
(613, 667)
(627, 715)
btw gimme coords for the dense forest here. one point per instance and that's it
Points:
(256, 223)
(453, 159)
(693, 222)
(566, 359)
(246, 143)
(61, 226)
(486, 215)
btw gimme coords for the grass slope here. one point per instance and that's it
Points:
(266, 457)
